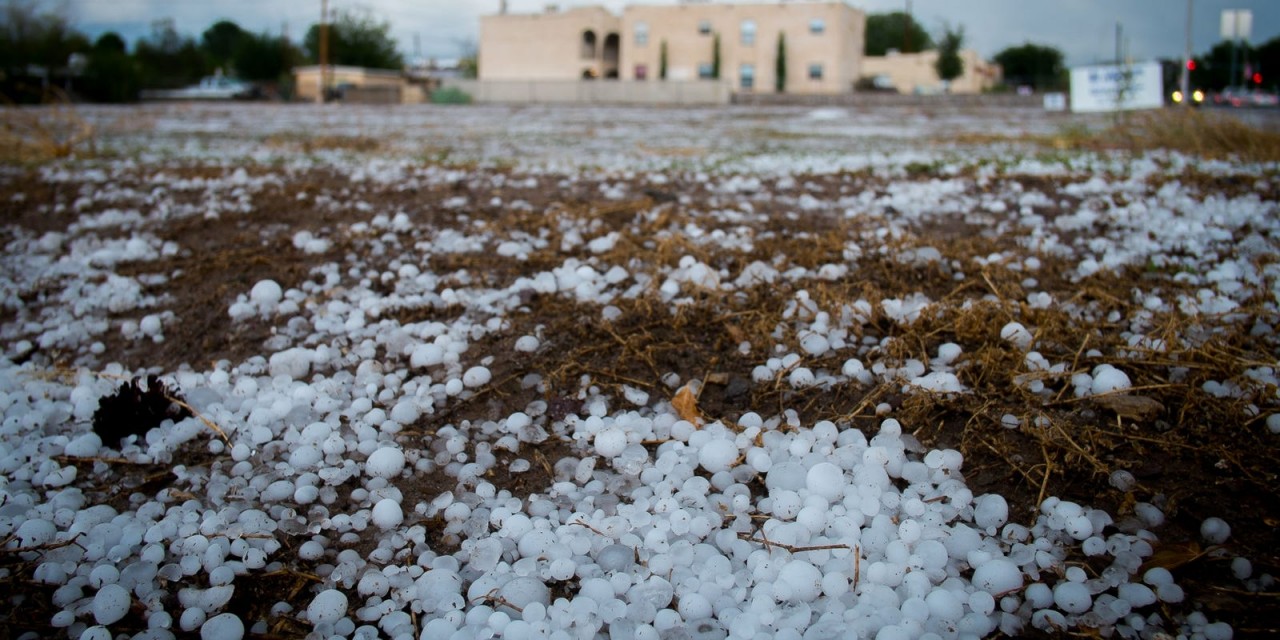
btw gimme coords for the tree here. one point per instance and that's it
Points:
(35, 49)
(780, 65)
(110, 41)
(264, 57)
(168, 60)
(949, 65)
(895, 30)
(358, 39)
(111, 75)
(662, 60)
(1033, 65)
(715, 57)
(221, 40)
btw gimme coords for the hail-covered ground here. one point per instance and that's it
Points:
(633, 373)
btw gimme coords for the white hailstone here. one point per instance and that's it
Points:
(476, 377)
(1123, 480)
(294, 363)
(266, 293)
(387, 514)
(815, 344)
(948, 352)
(386, 462)
(328, 606)
(1107, 378)
(1072, 597)
(1170, 593)
(938, 382)
(527, 344)
(150, 325)
(804, 580)
(801, 377)
(990, 511)
(110, 604)
(610, 442)
(827, 480)
(638, 397)
(518, 421)
(1218, 631)
(426, 355)
(717, 455)
(85, 445)
(405, 412)
(522, 591)
(1149, 514)
(224, 626)
(1241, 568)
(98, 632)
(1079, 527)
(35, 532)
(997, 576)
(1137, 595)
(1016, 334)
(1215, 530)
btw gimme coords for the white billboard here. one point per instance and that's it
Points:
(1117, 87)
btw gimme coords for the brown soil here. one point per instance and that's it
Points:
(1196, 455)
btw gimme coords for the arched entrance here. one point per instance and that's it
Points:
(609, 66)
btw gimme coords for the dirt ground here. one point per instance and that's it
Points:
(1193, 455)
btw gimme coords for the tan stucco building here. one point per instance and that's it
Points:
(823, 45)
(375, 85)
(917, 73)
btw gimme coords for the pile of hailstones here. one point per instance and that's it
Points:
(854, 538)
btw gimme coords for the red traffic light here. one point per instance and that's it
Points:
(1191, 65)
(1257, 78)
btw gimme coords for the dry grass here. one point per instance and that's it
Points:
(35, 135)
(1206, 134)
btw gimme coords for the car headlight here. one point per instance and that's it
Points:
(1177, 97)
(1197, 95)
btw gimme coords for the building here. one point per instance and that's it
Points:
(358, 84)
(734, 44)
(916, 72)
(553, 45)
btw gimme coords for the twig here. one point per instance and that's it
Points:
(208, 423)
(769, 544)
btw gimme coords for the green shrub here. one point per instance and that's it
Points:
(450, 95)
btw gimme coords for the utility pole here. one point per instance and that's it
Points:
(1185, 80)
(906, 30)
(324, 51)
(1119, 36)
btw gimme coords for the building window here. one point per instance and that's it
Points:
(748, 33)
(642, 34)
(704, 27)
(705, 71)
(588, 45)
(747, 76)
(815, 71)
(817, 26)
(642, 72)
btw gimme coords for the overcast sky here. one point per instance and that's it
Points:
(1084, 30)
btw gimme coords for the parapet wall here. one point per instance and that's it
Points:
(593, 91)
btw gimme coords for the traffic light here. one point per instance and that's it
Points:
(1191, 65)
(1257, 78)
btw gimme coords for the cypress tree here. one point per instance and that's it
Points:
(780, 68)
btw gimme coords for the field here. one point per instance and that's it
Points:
(270, 371)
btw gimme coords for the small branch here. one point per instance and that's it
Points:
(769, 544)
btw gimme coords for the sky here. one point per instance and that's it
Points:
(1084, 30)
